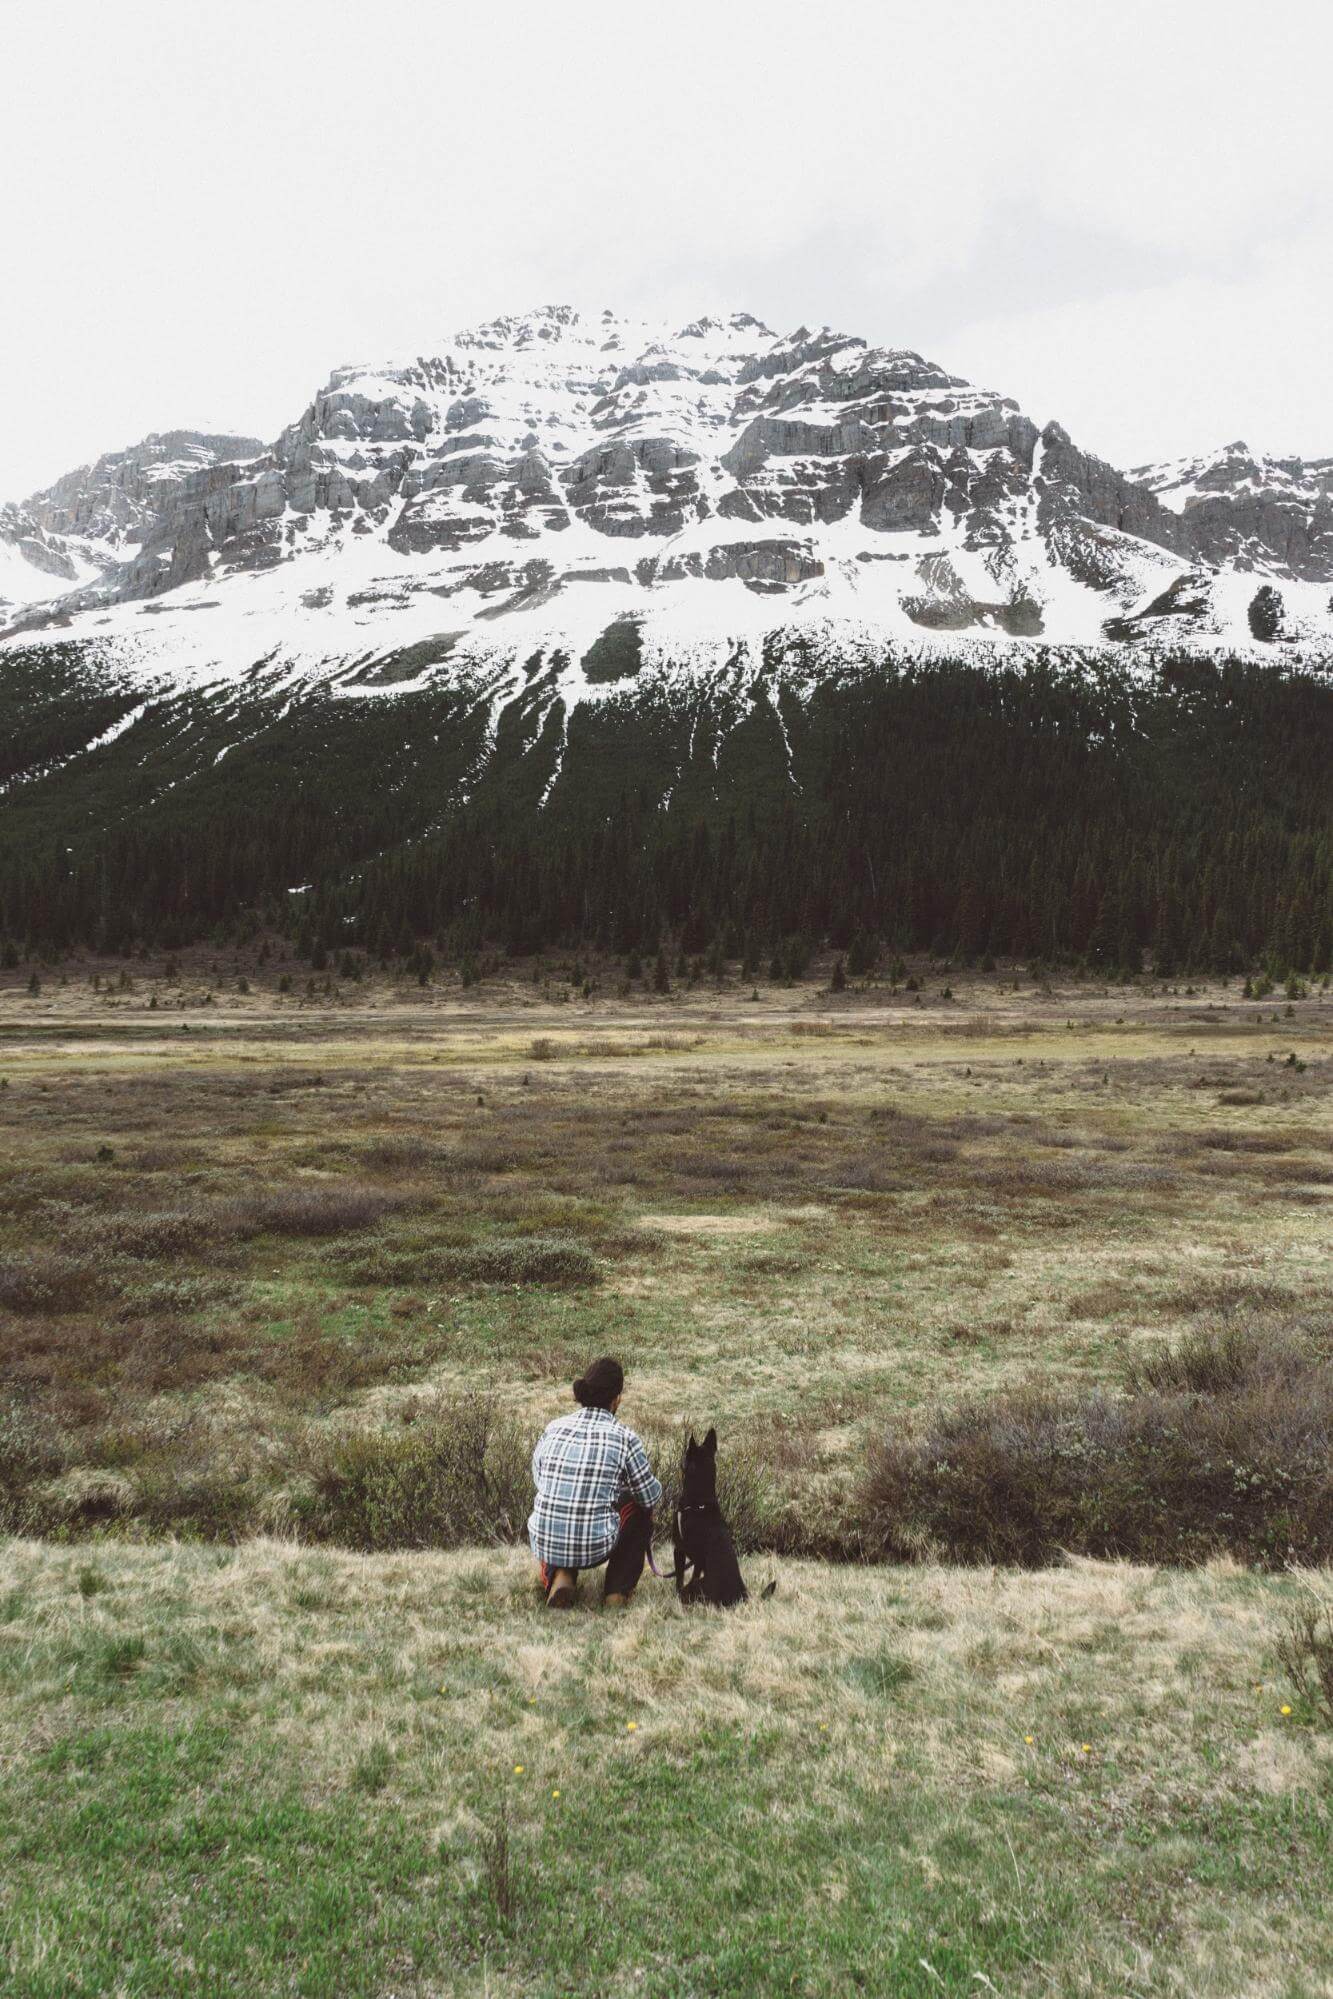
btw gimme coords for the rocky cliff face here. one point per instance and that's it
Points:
(1268, 514)
(541, 465)
(130, 525)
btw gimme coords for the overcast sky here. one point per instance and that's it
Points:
(1117, 212)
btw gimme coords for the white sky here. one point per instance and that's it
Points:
(1117, 211)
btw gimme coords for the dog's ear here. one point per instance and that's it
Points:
(710, 1444)
(691, 1448)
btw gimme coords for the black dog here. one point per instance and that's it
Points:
(702, 1539)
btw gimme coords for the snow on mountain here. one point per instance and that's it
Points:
(1235, 470)
(1254, 513)
(545, 477)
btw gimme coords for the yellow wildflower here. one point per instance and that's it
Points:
(518, 1769)
(1286, 1710)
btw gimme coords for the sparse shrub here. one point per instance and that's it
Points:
(192, 1479)
(498, 1866)
(1305, 1654)
(39, 1282)
(31, 1454)
(1232, 1451)
(457, 1473)
(1219, 1361)
(314, 1367)
(162, 1158)
(150, 1237)
(535, 1259)
(406, 1154)
(174, 1297)
(312, 1211)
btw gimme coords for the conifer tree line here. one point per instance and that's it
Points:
(1181, 818)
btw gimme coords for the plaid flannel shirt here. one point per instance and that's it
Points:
(585, 1465)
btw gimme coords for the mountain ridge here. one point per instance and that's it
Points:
(544, 476)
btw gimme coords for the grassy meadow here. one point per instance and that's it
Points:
(260, 1729)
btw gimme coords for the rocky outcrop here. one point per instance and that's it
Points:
(902, 497)
(1072, 481)
(1238, 508)
(128, 492)
(45, 554)
(767, 564)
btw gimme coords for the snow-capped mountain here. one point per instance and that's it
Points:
(545, 477)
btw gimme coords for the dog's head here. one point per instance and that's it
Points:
(698, 1483)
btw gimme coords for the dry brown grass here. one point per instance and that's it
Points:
(876, 1218)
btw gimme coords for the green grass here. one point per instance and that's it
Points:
(283, 1771)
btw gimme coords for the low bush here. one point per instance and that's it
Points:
(151, 1236)
(171, 1297)
(1221, 1360)
(549, 1260)
(46, 1282)
(521, 1260)
(30, 1455)
(402, 1153)
(459, 1472)
(1305, 1654)
(175, 1471)
(312, 1211)
(1224, 1444)
(456, 1473)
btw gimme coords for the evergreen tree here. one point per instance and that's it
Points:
(1265, 612)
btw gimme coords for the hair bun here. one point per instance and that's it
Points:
(601, 1384)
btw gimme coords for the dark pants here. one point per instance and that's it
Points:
(624, 1564)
